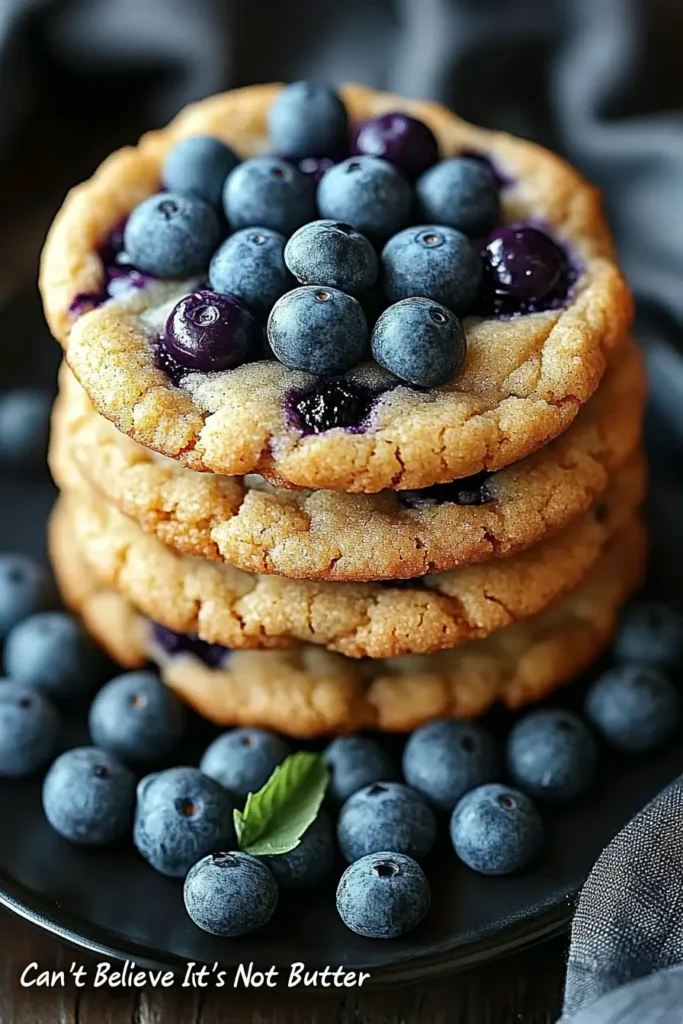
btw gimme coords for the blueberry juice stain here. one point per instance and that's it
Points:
(119, 275)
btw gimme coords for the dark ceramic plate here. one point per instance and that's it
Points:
(112, 903)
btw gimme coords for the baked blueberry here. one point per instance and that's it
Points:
(356, 762)
(172, 643)
(230, 894)
(308, 118)
(462, 193)
(24, 427)
(383, 895)
(137, 718)
(386, 816)
(524, 270)
(318, 329)
(52, 652)
(468, 490)
(444, 760)
(181, 816)
(89, 796)
(309, 863)
(243, 760)
(330, 404)
(651, 633)
(198, 167)
(636, 708)
(496, 830)
(269, 192)
(552, 755)
(209, 331)
(250, 265)
(327, 252)
(29, 729)
(369, 194)
(171, 235)
(434, 262)
(400, 139)
(24, 589)
(419, 341)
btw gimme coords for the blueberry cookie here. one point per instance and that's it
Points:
(310, 692)
(329, 535)
(382, 313)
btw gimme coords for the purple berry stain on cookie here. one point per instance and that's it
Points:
(330, 404)
(525, 271)
(471, 490)
(172, 643)
(119, 275)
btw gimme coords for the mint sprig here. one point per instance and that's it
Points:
(275, 818)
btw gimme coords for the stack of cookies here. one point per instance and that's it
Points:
(344, 442)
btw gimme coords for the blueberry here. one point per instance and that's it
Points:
(88, 796)
(402, 140)
(171, 235)
(243, 760)
(327, 252)
(230, 894)
(383, 895)
(468, 490)
(636, 708)
(180, 817)
(444, 760)
(137, 718)
(356, 762)
(172, 643)
(308, 118)
(331, 404)
(496, 830)
(420, 342)
(386, 816)
(368, 193)
(52, 652)
(315, 166)
(524, 270)
(29, 729)
(250, 265)
(309, 863)
(552, 755)
(651, 633)
(432, 261)
(198, 167)
(462, 193)
(209, 331)
(318, 329)
(24, 427)
(24, 589)
(268, 192)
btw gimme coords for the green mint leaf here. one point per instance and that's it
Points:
(274, 819)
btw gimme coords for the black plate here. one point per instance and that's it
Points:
(112, 903)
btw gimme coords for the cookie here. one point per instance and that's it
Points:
(523, 380)
(329, 535)
(310, 692)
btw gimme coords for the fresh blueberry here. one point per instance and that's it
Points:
(230, 894)
(400, 139)
(52, 652)
(444, 760)
(386, 816)
(171, 235)
(419, 341)
(462, 193)
(198, 167)
(29, 729)
(308, 118)
(180, 817)
(318, 329)
(89, 796)
(309, 863)
(24, 427)
(524, 270)
(209, 331)
(356, 762)
(552, 755)
(24, 589)
(137, 718)
(383, 895)
(250, 265)
(268, 192)
(651, 633)
(368, 193)
(331, 404)
(496, 830)
(636, 708)
(436, 262)
(243, 760)
(327, 252)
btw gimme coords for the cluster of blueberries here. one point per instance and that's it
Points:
(382, 250)
(181, 818)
